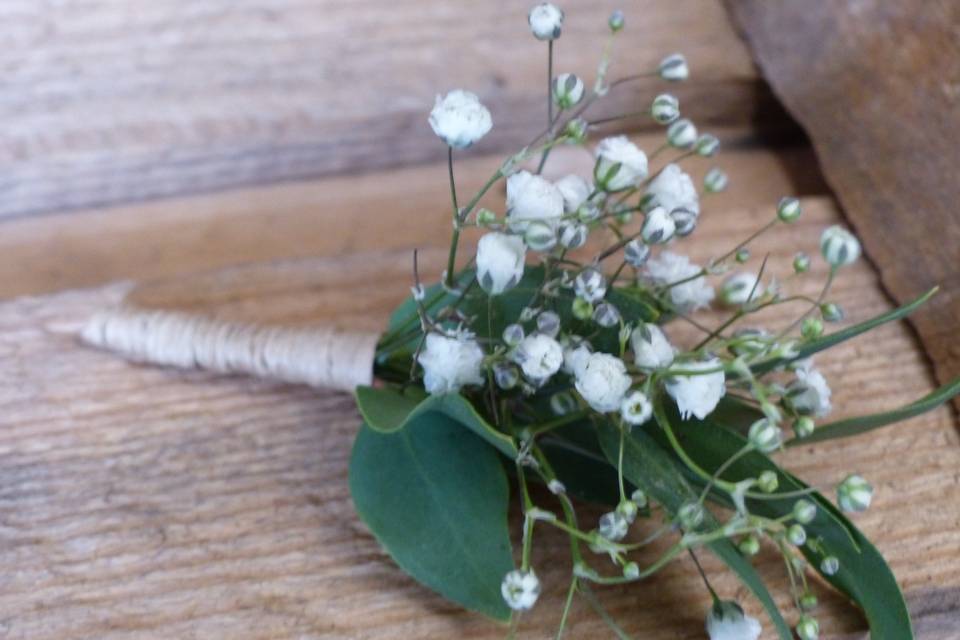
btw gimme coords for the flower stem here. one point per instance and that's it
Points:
(455, 240)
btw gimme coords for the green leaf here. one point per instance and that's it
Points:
(862, 424)
(807, 349)
(650, 467)
(575, 455)
(864, 575)
(436, 498)
(385, 408)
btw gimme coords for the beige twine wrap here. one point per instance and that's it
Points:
(320, 357)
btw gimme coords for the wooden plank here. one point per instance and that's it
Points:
(395, 209)
(105, 102)
(881, 106)
(142, 503)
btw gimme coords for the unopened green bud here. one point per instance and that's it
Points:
(715, 181)
(628, 509)
(854, 494)
(797, 535)
(616, 21)
(768, 481)
(691, 515)
(576, 130)
(831, 312)
(540, 236)
(801, 263)
(804, 511)
(749, 546)
(485, 217)
(631, 571)
(582, 309)
(563, 403)
(839, 247)
(788, 209)
(808, 601)
(808, 628)
(830, 565)
(742, 255)
(707, 145)
(811, 328)
(639, 498)
(804, 426)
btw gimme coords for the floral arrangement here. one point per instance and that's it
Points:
(546, 363)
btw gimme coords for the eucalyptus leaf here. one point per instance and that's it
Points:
(385, 408)
(862, 424)
(436, 498)
(863, 576)
(658, 473)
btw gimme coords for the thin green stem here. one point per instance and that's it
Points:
(455, 240)
(661, 416)
(566, 607)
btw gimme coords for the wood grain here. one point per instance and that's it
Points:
(876, 84)
(141, 503)
(394, 209)
(105, 102)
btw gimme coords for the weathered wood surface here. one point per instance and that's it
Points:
(141, 503)
(394, 209)
(105, 102)
(876, 84)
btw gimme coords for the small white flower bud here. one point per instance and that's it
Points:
(459, 119)
(546, 21)
(631, 571)
(567, 90)
(749, 546)
(808, 628)
(768, 481)
(691, 515)
(839, 247)
(682, 134)
(636, 408)
(804, 426)
(651, 349)
(616, 21)
(765, 436)
(573, 235)
(726, 621)
(520, 589)
(665, 108)
(590, 285)
(613, 526)
(500, 260)
(620, 164)
(606, 315)
(576, 350)
(801, 263)
(740, 288)
(854, 494)
(832, 312)
(556, 487)
(636, 253)
(715, 181)
(418, 292)
(830, 565)
(788, 209)
(707, 145)
(804, 511)
(548, 323)
(628, 509)
(797, 535)
(540, 236)
(674, 67)
(563, 403)
(658, 226)
(505, 375)
(513, 334)
(639, 498)
(539, 356)
(684, 220)
(588, 212)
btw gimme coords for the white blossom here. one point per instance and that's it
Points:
(567, 90)
(740, 288)
(658, 226)
(619, 150)
(575, 354)
(590, 285)
(673, 189)
(613, 526)
(459, 118)
(603, 381)
(651, 349)
(674, 67)
(539, 356)
(636, 408)
(809, 394)
(574, 190)
(520, 589)
(532, 198)
(450, 362)
(546, 21)
(839, 247)
(669, 267)
(698, 394)
(765, 435)
(726, 621)
(500, 260)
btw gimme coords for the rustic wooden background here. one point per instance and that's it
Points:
(145, 503)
